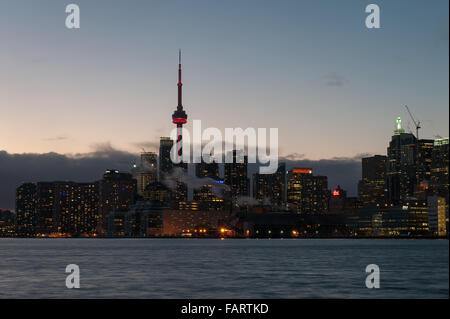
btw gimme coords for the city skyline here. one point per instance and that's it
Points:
(101, 86)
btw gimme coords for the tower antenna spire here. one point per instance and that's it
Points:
(179, 117)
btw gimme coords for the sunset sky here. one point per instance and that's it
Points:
(310, 68)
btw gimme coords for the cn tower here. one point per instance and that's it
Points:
(179, 117)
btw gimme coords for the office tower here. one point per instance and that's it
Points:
(373, 187)
(236, 175)
(76, 208)
(338, 200)
(308, 193)
(45, 208)
(117, 191)
(207, 195)
(439, 168)
(165, 163)
(26, 210)
(423, 161)
(147, 171)
(401, 172)
(270, 188)
(438, 215)
(179, 117)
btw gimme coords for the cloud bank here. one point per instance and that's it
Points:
(85, 167)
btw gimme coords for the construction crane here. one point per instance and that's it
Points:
(417, 124)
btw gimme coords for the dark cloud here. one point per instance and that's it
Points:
(30, 167)
(334, 79)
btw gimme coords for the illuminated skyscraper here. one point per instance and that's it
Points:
(26, 209)
(308, 193)
(117, 191)
(76, 208)
(45, 208)
(401, 173)
(439, 168)
(147, 171)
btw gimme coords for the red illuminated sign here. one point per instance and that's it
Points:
(336, 192)
(302, 170)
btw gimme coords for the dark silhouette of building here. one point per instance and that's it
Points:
(7, 223)
(373, 188)
(26, 195)
(439, 169)
(147, 171)
(45, 208)
(165, 163)
(236, 175)
(424, 161)
(270, 187)
(117, 191)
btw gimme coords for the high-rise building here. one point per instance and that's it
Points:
(45, 208)
(236, 175)
(338, 200)
(76, 208)
(205, 195)
(270, 187)
(26, 210)
(307, 192)
(424, 161)
(147, 172)
(438, 215)
(373, 188)
(439, 168)
(165, 163)
(117, 191)
(401, 172)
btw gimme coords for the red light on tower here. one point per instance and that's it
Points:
(336, 192)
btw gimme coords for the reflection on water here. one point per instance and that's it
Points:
(212, 268)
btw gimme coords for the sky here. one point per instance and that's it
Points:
(312, 69)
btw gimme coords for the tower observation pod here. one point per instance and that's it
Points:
(179, 117)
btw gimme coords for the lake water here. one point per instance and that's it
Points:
(231, 268)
